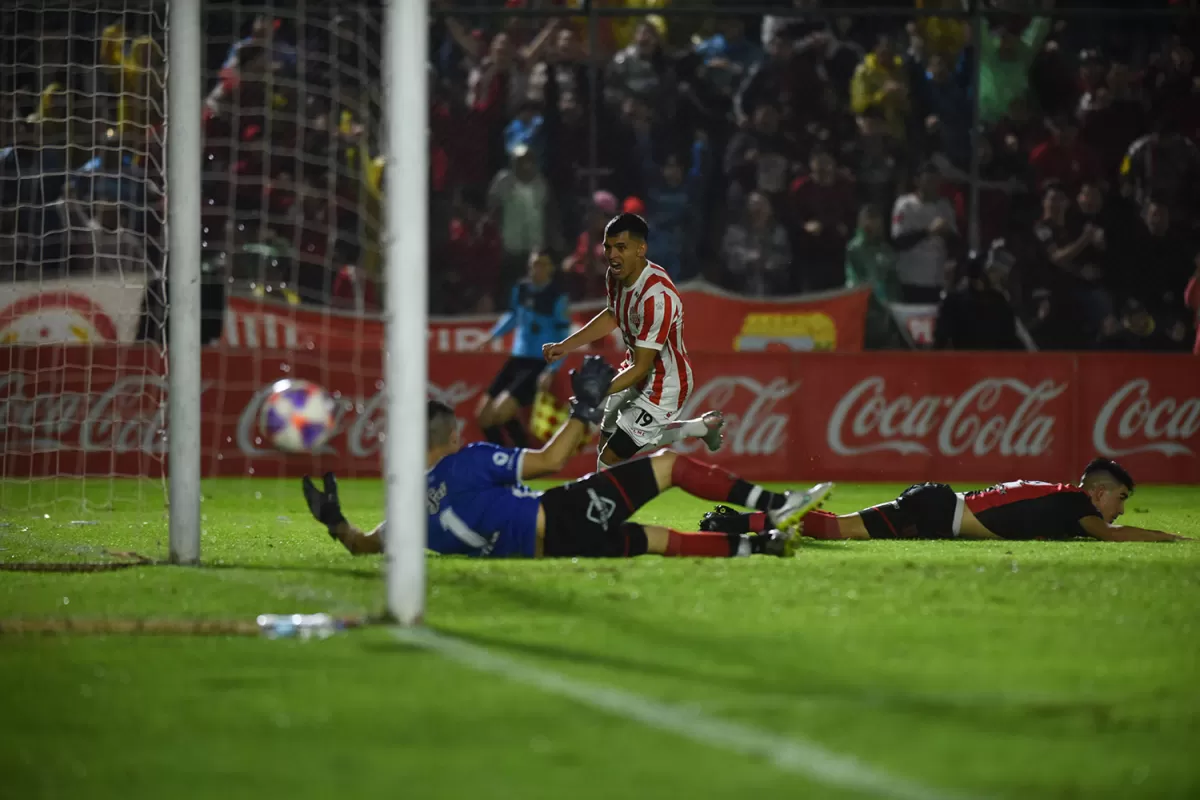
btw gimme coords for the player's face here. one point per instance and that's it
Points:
(624, 253)
(541, 270)
(1110, 501)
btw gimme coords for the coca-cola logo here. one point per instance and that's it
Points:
(761, 429)
(361, 419)
(1130, 413)
(127, 417)
(865, 420)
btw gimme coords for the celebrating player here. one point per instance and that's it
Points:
(538, 312)
(656, 378)
(1016, 510)
(479, 506)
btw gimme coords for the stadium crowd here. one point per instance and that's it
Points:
(772, 155)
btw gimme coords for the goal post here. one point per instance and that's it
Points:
(183, 156)
(406, 303)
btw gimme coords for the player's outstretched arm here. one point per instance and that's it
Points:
(554, 455)
(598, 327)
(589, 385)
(326, 508)
(1099, 529)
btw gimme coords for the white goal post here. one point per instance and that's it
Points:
(406, 104)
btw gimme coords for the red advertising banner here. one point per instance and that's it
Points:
(722, 323)
(967, 418)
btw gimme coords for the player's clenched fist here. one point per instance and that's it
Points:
(553, 351)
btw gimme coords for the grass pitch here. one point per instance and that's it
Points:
(1010, 669)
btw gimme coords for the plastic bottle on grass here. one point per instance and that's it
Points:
(298, 626)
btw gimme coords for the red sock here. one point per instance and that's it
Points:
(711, 545)
(756, 521)
(821, 525)
(706, 481)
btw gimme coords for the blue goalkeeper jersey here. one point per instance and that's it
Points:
(478, 506)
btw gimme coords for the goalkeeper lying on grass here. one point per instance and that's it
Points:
(478, 505)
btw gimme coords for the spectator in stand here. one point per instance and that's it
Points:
(521, 200)
(468, 280)
(527, 128)
(924, 234)
(1063, 158)
(1140, 329)
(822, 206)
(878, 160)
(1165, 165)
(944, 37)
(881, 83)
(1004, 61)
(795, 26)
(642, 70)
(564, 64)
(586, 268)
(674, 203)
(945, 106)
(769, 81)
(1165, 257)
(756, 253)
(1002, 192)
(758, 159)
(870, 257)
(975, 314)
(1074, 253)
(1112, 116)
(728, 56)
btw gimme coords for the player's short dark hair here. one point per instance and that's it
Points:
(627, 223)
(1106, 466)
(440, 422)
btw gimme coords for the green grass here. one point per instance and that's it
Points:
(1011, 669)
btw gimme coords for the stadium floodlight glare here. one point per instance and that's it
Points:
(406, 303)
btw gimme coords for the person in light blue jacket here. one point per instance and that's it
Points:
(539, 313)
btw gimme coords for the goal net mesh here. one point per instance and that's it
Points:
(291, 187)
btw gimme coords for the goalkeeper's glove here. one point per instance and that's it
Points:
(323, 503)
(590, 385)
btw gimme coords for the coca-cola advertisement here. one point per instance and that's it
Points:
(907, 417)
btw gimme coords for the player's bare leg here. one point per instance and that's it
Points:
(498, 416)
(709, 427)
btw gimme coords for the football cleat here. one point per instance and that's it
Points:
(715, 422)
(721, 519)
(798, 503)
(781, 544)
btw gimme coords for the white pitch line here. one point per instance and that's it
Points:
(789, 754)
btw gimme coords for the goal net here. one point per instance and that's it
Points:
(82, 204)
(290, 247)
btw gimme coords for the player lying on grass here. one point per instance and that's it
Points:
(1016, 510)
(649, 393)
(478, 504)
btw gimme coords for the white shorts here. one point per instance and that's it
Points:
(642, 421)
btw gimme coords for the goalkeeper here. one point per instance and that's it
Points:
(478, 505)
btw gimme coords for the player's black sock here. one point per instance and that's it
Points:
(750, 495)
(516, 433)
(492, 434)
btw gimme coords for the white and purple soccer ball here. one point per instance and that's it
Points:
(298, 416)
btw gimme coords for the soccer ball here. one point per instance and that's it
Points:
(297, 416)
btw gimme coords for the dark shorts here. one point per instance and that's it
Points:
(584, 518)
(922, 511)
(519, 378)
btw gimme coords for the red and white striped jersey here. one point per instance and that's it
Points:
(650, 314)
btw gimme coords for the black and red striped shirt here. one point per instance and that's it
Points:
(1032, 509)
